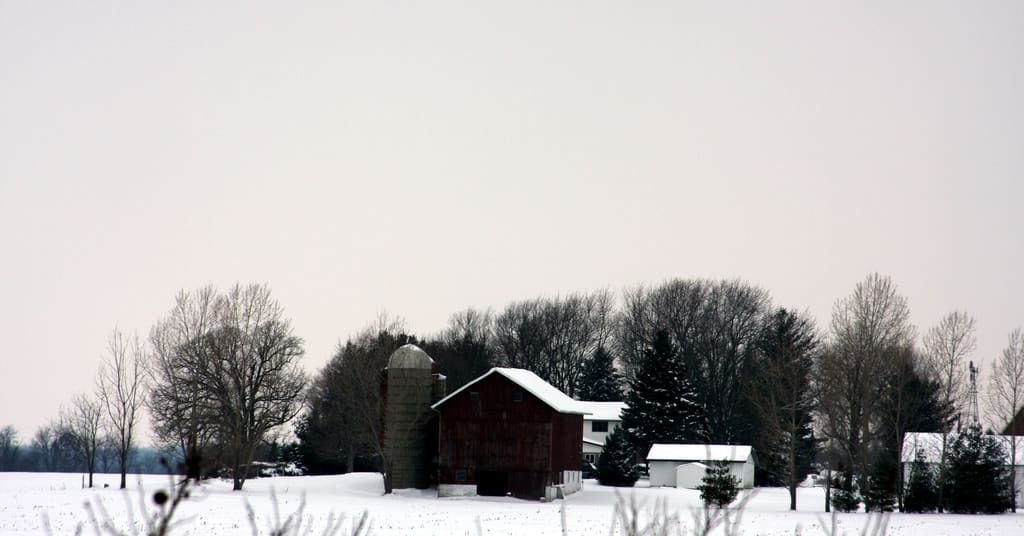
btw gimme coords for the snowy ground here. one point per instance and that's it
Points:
(29, 502)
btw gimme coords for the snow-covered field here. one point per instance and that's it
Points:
(29, 502)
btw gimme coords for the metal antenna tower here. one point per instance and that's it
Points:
(972, 396)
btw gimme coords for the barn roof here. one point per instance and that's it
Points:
(699, 452)
(930, 445)
(533, 384)
(603, 411)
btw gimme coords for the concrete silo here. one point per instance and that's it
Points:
(410, 427)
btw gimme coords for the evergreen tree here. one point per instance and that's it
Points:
(922, 494)
(662, 404)
(617, 464)
(977, 480)
(909, 401)
(718, 488)
(844, 493)
(781, 398)
(599, 381)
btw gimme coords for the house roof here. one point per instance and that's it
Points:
(534, 385)
(930, 445)
(592, 442)
(602, 411)
(699, 452)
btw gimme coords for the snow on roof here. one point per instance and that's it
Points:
(592, 442)
(547, 393)
(602, 411)
(698, 452)
(930, 445)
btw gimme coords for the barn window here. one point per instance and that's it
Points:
(517, 396)
(460, 475)
(599, 426)
(474, 396)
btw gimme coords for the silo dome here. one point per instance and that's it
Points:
(410, 356)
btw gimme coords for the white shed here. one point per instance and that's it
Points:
(663, 460)
(690, 475)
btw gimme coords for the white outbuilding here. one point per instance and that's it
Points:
(666, 460)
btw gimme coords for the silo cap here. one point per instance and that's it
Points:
(410, 356)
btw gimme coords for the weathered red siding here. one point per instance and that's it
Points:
(497, 441)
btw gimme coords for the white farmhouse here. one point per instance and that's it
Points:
(930, 445)
(665, 460)
(599, 421)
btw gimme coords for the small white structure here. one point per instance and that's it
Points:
(930, 445)
(600, 419)
(664, 459)
(690, 475)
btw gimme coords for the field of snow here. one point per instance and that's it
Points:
(35, 503)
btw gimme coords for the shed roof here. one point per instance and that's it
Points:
(547, 393)
(602, 411)
(699, 452)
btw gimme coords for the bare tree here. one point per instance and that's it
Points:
(714, 324)
(554, 337)
(868, 326)
(1006, 394)
(254, 372)
(84, 418)
(948, 346)
(121, 389)
(225, 373)
(8, 448)
(182, 412)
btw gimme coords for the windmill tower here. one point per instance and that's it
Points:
(972, 396)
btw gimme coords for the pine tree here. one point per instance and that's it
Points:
(718, 488)
(599, 381)
(782, 401)
(844, 494)
(617, 464)
(922, 493)
(662, 403)
(977, 480)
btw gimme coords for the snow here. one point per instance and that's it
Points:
(26, 499)
(698, 452)
(547, 393)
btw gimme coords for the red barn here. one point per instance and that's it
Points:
(509, 432)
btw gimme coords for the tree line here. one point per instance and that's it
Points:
(695, 359)
(699, 361)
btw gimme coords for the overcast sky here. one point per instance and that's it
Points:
(424, 157)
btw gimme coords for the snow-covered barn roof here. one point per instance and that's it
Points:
(533, 384)
(602, 411)
(930, 445)
(699, 452)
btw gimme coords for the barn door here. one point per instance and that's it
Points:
(492, 483)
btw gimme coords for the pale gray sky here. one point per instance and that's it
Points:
(424, 157)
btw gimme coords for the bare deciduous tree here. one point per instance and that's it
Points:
(868, 327)
(84, 418)
(714, 324)
(121, 388)
(948, 346)
(225, 372)
(254, 375)
(182, 413)
(8, 448)
(554, 337)
(1006, 394)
